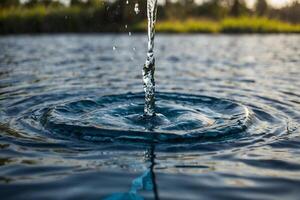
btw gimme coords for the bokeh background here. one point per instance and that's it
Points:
(200, 16)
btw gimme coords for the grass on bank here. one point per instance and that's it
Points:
(257, 25)
(227, 25)
(42, 19)
(188, 26)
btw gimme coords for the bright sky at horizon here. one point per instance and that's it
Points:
(275, 3)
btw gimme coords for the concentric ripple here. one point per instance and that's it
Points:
(179, 117)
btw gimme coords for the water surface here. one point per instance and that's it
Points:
(227, 125)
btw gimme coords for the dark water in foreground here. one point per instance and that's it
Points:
(227, 128)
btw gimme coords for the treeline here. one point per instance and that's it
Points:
(35, 16)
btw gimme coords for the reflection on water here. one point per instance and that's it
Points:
(63, 134)
(144, 182)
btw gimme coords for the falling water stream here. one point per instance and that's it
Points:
(149, 67)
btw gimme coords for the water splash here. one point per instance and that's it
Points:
(149, 67)
(136, 8)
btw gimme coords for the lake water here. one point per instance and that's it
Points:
(228, 125)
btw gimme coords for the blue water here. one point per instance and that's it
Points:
(227, 123)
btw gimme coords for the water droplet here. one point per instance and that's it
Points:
(136, 8)
(114, 48)
(129, 33)
(127, 2)
(133, 48)
(126, 26)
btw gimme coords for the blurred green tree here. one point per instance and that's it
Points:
(9, 3)
(261, 7)
(94, 2)
(77, 3)
(31, 3)
(239, 8)
(47, 3)
(290, 12)
(212, 9)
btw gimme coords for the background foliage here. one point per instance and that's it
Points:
(38, 16)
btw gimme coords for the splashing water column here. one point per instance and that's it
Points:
(149, 67)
